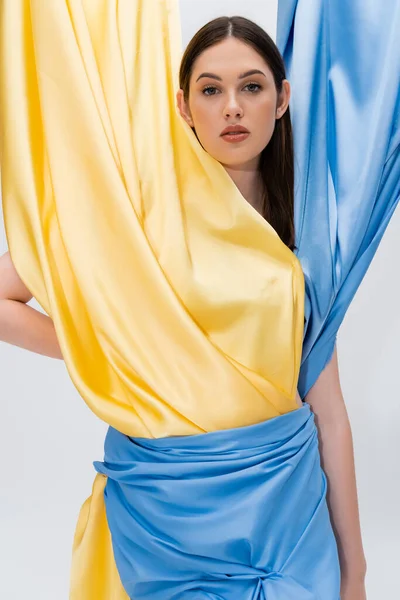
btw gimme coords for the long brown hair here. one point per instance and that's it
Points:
(276, 162)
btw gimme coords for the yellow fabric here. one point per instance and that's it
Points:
(177, 307)
(94, 574)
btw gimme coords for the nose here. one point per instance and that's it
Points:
(233, 108)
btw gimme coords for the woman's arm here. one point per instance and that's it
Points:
(22, 325)
(337, 460)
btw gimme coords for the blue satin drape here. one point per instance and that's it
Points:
(226, 515)
(343, 61)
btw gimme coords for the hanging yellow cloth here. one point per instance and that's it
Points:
(177, 307)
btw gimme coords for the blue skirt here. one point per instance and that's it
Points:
(236, 514)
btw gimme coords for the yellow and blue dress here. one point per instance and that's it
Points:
(185, 322)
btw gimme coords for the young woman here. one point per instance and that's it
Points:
(212, 482)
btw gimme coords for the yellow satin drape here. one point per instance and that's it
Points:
(177, 307)
(94, 574)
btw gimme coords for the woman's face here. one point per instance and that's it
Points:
(223, 92)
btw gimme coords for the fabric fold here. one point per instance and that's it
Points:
(343, 62)
(160, 278)
(231, 514)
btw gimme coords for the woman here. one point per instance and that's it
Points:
(169, 540)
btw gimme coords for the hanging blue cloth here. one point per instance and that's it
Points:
(343, 62)
(216, 516)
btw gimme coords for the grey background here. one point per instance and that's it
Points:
(49, 438)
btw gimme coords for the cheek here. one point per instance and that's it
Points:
(207, 124)
(205, 119)
(265, 116)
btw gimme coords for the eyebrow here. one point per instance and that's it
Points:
(241, 76)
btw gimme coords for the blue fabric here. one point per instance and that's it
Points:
(343, 61)
(237, 514)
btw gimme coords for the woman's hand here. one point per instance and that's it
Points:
(352, 589)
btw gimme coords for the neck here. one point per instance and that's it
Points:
(247, 179)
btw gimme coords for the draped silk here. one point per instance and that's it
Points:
(343, 62)
(177, 307)
(166, 287)
(235, 514)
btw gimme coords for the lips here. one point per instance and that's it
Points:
(232, 129)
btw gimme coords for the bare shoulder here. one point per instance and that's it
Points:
(11, 285)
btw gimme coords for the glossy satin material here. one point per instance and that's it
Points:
(177, 307)
(343, 61)
(166, 288)
(227, 515)
(94, 574)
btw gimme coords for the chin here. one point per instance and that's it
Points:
(232, 155)
(237, 158)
